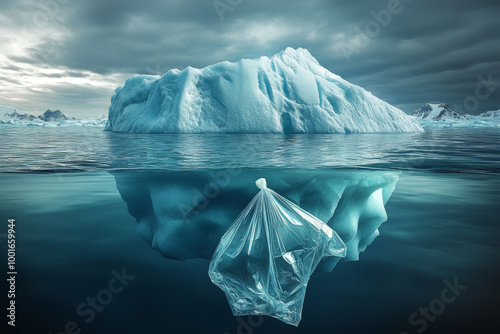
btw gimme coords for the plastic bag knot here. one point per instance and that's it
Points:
(261, 183)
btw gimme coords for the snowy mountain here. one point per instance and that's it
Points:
(13, 113)
(441, 115)
(48, 116)
(289, 92)
(7, 110)
(54, 116)
(435, 112)
(11, 116)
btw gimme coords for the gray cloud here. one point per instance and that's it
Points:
(10, 80)
(429, 52)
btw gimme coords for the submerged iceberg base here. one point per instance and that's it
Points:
(183, 215)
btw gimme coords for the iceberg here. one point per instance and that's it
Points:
(184, 214)
(76, 123)
(490, 114)
(289, 92)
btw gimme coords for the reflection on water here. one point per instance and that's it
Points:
(91, 149)
(183, 215)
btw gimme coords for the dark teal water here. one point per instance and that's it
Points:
(74, 229)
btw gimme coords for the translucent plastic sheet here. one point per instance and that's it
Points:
(265, 259)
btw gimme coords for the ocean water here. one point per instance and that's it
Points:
(76, 193)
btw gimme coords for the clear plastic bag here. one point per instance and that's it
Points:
(265, 259)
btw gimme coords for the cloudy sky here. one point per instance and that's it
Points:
(70, 55)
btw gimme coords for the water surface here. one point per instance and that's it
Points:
(74, 229)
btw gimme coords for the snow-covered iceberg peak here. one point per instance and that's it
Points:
(289, 92)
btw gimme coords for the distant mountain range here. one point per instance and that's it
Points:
(443, 112)
(48, 116)
(11, 116)
(435, 112)
(441, 115)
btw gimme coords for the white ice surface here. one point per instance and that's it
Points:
(289, 92)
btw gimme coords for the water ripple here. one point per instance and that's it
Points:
(45, 150)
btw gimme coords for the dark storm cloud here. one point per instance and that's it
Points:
(429, 51)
